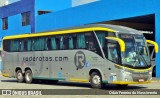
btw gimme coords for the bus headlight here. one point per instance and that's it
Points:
(125, 72)
(128, 73)
(150, 72)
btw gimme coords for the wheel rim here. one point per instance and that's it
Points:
(96, 80)
(28, 77)
(19, 76)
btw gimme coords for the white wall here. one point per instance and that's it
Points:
(6, 2)
(12, 1)
(3, 2)
(81, 2)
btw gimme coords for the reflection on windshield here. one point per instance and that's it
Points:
(136, 54)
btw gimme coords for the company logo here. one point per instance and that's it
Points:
(79, 59)
(6, 92)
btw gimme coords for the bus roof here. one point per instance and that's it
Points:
(84, 28)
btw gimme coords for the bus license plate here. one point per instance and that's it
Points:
(141, 80)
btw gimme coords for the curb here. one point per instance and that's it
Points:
(154, 81)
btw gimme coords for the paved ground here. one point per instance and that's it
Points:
(10, 83)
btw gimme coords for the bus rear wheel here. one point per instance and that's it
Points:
(96, 80)
(28, 76)
(19, 76)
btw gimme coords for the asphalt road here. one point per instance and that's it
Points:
(11, 83)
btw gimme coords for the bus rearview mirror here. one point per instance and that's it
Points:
(154, 44)
(120, 41)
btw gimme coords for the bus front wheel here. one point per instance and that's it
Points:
(96, 80)
(28, 76)
(19, 76)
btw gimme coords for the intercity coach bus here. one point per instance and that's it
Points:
(97, 53)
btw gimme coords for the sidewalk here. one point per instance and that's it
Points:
(154, 79)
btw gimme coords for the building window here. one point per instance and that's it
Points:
(43, 12)
(5, 23)
(26, 18)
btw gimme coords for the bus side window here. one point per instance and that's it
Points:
(38, 44)
(112, 52)
(25, 44)
(21, 45)
(66, 42)
(90, 44)
(81, 41)
(74, 38)
(58, 42)
(101, 36)
(49, 47)
(15, 45)
(6, 45)
(51, 43)
(29, 44)
(71, 42)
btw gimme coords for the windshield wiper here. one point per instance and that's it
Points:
(136, 57)
(141, 56)
(143, 59)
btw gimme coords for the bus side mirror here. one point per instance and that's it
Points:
(154, 44)
(120, 41)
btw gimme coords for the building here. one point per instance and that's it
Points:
(142, 15)
(20, 17)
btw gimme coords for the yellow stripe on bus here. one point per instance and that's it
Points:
(136, 70)
(78, 80)
(6, 75)
(130, 82)
(59, 32)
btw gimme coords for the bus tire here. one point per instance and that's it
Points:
(20, 76)
(28, 76)
(96, 80)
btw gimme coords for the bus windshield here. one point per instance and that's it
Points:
(136, 54)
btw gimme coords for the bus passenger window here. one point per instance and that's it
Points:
(112, 52)
(81, 41)
(38, 44)
(6, 45)
(71, 44)
(29, 44)
(25, 44)
(53, 43)
(14, 46)
(66, 42)
(49, 44)
(58, 43)
(74, 38)
(21, 45)
(61, 42)
(90, 43)
(101, 36)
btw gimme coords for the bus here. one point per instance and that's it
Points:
(97, 54)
